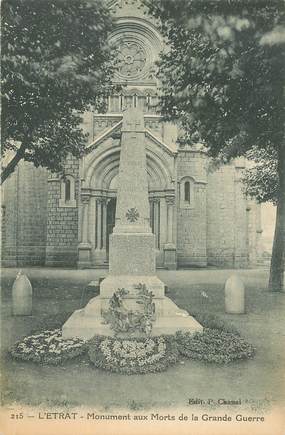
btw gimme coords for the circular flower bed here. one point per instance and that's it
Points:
(48, 347)
(213, 345)
(135, 355)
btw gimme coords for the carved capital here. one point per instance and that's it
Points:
(85, 199)
(154, 200)
(170, 200)
(102, 200)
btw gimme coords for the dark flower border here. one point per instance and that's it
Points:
(214, 346)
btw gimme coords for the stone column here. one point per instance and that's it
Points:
(156, 217)
(163, 222)
(170, 204)
(104, 202)
(100, 250)
(85, 219)
(98, 224)
(101, 230)
(92, 226)
(169, 248)
(84, 247)
(159, 240)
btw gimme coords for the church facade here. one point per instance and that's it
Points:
(198, 214)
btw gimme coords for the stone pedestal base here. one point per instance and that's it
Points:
(84, 255)
(112, 283)
(170, 261)
(88, 322)
(82, 326)
(100, 256)
(132, 254)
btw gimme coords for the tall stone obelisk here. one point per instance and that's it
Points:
(132, 247)
(132, 244)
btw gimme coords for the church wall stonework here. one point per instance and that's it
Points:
(62, 222)
(191, 218)
(25, 209)
(227, 231)
(9, 221)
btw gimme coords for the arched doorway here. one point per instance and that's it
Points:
(102, 179)
(111, 216)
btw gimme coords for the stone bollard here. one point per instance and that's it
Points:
(22, 293)
(234, 295)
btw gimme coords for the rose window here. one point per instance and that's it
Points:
(131, 59)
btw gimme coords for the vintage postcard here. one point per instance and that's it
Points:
(143, 217)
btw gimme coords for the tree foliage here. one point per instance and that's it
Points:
(56, 63)
(222, 78)
(260, 180)
(218, 79)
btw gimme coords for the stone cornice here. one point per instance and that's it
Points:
(160, 143)
(104, 136)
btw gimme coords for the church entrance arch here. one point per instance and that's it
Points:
(98, 208)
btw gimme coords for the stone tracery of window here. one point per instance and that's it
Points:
(131, 58)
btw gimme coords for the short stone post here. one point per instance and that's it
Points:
(22, 294)
(234, 295)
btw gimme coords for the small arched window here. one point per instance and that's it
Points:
(67, 192)
(187, 191)
(135, 97)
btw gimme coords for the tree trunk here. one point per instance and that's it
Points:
(276, 279)
(13, 163)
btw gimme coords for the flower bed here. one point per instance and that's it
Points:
(213, 345)
(48, 347)
(135, 355)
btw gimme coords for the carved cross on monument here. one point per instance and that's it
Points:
(133, 121)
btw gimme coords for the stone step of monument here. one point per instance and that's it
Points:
(90, 291)
(104, 265)
(96, 283)
(80, 325)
